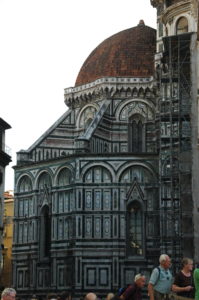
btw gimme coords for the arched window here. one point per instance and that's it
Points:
(44, 181)
(136, 135)
(141, 174)
(25, 184)
(182, 25)
(86, 116)
(45, 233)
(97, 174)
(64, 177)
(134, 229)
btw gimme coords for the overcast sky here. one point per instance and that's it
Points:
(43, 44)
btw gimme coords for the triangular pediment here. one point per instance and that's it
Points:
(135, 192)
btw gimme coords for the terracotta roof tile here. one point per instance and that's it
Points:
(129, 53)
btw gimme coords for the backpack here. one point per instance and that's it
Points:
(122, 290)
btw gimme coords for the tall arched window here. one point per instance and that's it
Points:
(44, 181)
(97, 174)
(134, 229)
(25, 184)
(136, 135)
(45, 233)
(182, 25)
(64, 177)
(86, 116)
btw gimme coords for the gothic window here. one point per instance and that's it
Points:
(182, 25)
(136, 135)
(63, 199)
(45, 233)
(134, 229)
(25, 184)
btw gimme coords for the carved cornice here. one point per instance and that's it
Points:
(107, 88)
(176, 9)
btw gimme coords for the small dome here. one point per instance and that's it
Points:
(129, 53)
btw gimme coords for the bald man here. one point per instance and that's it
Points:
(91, 296)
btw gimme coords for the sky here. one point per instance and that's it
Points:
(43, 44)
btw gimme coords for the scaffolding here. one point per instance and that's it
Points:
(174, 141)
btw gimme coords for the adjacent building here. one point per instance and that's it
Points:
(113, 183)
(6, 275)
(5, 159)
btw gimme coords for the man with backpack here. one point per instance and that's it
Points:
(133, 291)
(161, 280)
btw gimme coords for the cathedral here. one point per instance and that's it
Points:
(114, 182)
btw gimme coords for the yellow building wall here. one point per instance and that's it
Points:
(6, 275)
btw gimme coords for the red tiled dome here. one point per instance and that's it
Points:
(129, 53)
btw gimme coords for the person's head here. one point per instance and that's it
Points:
(165, 261)
(109, 296)
(140, 280)
(52, 296)
(187, 264)
(90, 296)
(8, 294)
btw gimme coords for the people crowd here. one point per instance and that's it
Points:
(162, 285)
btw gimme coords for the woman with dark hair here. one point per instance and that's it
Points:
(183, 284)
